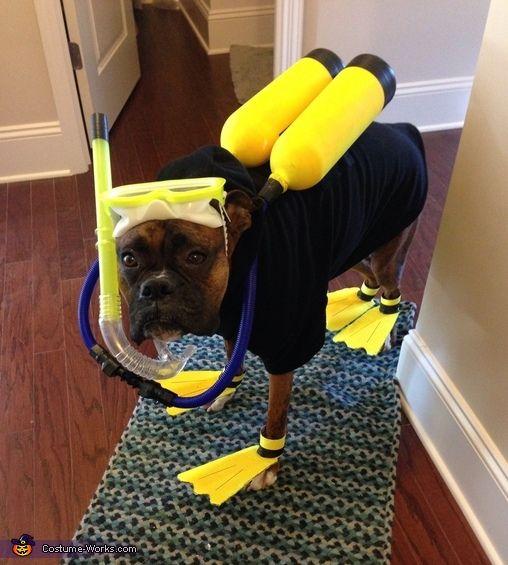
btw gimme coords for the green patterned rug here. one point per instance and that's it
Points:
(332, 503)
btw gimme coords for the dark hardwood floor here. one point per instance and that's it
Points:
(59, 419)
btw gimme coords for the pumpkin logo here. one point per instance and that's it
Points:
(23, 546)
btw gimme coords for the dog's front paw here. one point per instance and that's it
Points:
(218, 404)
(265, 479)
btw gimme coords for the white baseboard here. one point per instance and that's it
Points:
(35, 129)
(246, 25)
(38, 176)
(465, 455)
(38, 150)
(430, 105)
(441, 126)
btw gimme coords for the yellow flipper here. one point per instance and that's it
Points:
(369, 331)
(189, 383)
(343, 307)
(224, 477)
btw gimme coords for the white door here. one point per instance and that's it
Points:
(41, 128)
(105, 32)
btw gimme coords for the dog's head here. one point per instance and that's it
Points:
(174, 273)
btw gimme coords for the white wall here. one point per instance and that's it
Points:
(432, 45)
(454, 368)
(464, 315)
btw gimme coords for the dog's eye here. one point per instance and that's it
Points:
(129, 260)
(196, 257)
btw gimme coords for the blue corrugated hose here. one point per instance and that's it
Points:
(239, 350)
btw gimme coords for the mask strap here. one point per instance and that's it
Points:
(224, 216)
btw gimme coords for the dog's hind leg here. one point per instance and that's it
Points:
(364, 269)
(346, 305)
(374, 330)
(387, 264)
(219, 403)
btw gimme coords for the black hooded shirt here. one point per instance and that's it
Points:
(308, 237)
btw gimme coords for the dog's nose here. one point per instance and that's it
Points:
(156, 288)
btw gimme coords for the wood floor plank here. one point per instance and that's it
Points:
(3, 221)
(17, 483)
(70, 235)
(444, 507)
(402, 551)
(441, 148)
(19, 234)
(89, 445)
(86, 197)
(124, 150)
(46, 291)
(147, 156)
(54, 516)
(424, 533)
(16, 381)
(3, 236)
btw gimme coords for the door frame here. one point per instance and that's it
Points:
(289, 16)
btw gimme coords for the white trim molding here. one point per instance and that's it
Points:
(35, 129)
(468, 460)
(218, 28)
(288, 34)
(431, 86)
(36, 176)
(430, 104)
(245, 12)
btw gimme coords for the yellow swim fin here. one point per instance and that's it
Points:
(347, 304)
(224, 477)
(191, 383)
(371, 329)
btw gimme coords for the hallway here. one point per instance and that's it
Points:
(60, 420)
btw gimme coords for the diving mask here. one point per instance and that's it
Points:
(131, 205)
(186, 199)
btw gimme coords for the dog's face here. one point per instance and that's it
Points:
(174, 273)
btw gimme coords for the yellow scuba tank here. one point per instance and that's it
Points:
(331, 123)
(250, 132)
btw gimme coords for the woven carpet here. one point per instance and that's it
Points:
(251, 69)
(333, 502)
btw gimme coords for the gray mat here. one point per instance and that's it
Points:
(333, 502)
(251, 69)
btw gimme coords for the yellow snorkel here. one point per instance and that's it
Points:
(133, 204)
(110, 308)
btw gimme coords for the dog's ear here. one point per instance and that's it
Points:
(239, 207)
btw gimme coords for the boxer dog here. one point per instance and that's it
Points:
(177, 278)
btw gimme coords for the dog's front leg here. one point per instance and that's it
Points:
(279, 397)
(219, 403)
